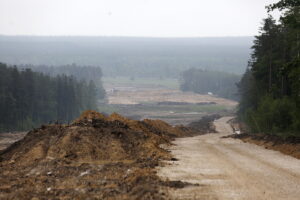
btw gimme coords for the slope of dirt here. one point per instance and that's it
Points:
(289, 146)
(228, 169)
(96, 157)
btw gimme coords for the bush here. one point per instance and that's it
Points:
(273, 116)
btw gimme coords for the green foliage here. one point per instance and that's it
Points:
(80, 73)
(202, 82)
(28, 99)
(142, 82)
(273, 116)
(284, 4)
(270, 88)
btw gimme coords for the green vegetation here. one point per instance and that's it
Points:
(127, 81)
(202, 82)
(108, 108)
(28, 99)
(80, 73)
(155, 108)
(270, 88)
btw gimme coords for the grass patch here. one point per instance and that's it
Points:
(107, 108)
(127, 81)
(178, 108)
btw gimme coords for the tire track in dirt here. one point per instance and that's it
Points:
(264, 162)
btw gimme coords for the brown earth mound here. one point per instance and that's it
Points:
(96, 157)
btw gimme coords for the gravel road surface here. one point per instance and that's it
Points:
(227, 168)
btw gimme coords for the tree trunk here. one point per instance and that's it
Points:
(270, 70)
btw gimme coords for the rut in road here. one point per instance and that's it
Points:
(228, 169)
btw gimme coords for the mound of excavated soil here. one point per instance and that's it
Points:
(95, 157)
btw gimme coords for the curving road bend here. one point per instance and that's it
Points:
(228, 169)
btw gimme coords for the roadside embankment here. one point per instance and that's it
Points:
(288, 145)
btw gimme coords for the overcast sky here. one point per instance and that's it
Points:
(155, 18)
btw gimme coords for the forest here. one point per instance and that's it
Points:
(270, 88)
(28, 99)
(201, 81)
(80, 73)
(130, 56)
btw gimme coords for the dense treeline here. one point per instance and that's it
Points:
(81, 73)
(29, 98)
(270, 88)
(130, 56)
(202, 81)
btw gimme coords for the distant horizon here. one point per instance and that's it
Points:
(121, 36)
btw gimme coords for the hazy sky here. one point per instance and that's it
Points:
(157, 18)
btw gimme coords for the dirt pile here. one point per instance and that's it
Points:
(204, 125)
(96, 157)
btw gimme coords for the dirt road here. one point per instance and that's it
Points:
(230, 169)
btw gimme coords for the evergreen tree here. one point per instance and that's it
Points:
(270, 88)
(28, 99)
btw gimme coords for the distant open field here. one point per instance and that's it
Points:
(111, 82)
(160, 99)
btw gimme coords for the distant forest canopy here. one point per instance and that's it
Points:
(28, 99)
(270, 88)
(80, 73)
(203, 82)
(130, 56)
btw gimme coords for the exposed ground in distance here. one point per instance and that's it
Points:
(161, 95)
(228, 169)
(159, 99)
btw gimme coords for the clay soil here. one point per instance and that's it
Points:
(96, 157)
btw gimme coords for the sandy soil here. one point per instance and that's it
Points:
(227, 168)
(160, 95)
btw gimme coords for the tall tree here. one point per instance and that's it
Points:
(270, 88)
